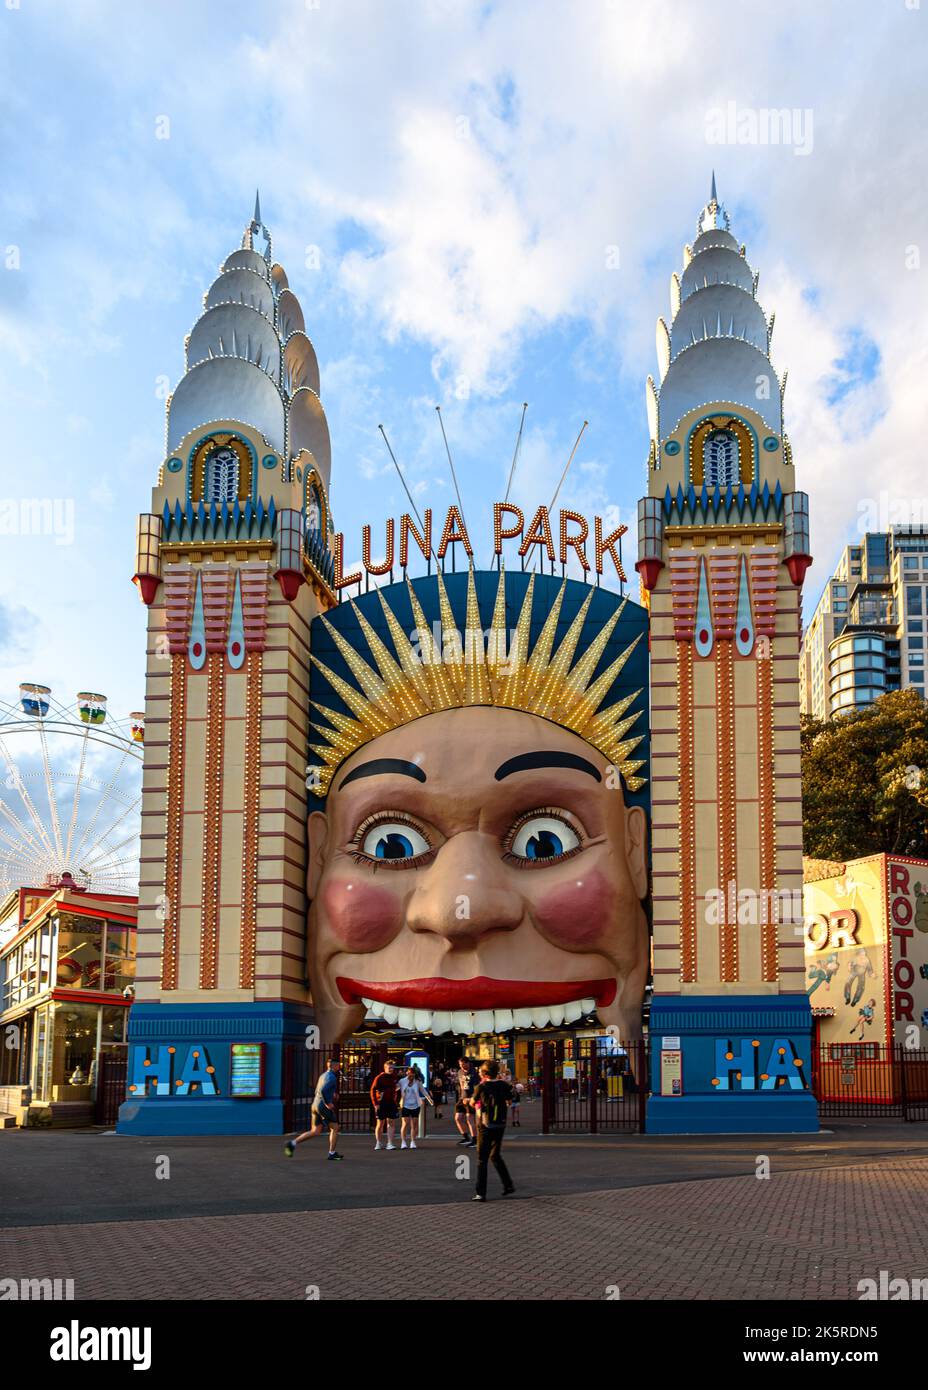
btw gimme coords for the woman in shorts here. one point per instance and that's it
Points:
(412, 1096)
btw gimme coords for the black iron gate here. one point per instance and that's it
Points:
(302, 1069)
(602, 1087)
(856, 1080)
(112, 1075)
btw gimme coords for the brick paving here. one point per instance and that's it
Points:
(809, 1234)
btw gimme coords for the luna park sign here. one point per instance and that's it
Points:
(568, 536)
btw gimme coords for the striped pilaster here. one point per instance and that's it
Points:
(687, 783)
(175, 820)
(252, 810)
(727, 833)
(212, 820)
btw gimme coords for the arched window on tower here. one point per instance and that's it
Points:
(720, 459)
(221, 483)
(313, 508)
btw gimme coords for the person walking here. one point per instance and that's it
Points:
(515, 1106)
(383, 1099)
(412, 1096)
(464, 1108)
(491, 1102)
(324, 1113)
(438, 1091)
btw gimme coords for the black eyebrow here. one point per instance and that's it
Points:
(376, 766)
(527, 761)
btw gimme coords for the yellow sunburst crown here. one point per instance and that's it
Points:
(440, 668)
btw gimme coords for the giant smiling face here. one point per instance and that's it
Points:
(477, 870)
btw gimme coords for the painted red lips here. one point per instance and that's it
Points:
(478, 993)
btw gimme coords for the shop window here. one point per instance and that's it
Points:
(42, 1056)
(75, 1044)
(80, 952)
(115, 1021)
(119, 969)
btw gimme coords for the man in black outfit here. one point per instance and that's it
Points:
(491, 1103)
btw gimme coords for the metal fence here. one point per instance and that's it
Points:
(856, 1080)
(595, 1091)
(302, 1069)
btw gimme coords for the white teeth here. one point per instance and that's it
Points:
(469, 1021)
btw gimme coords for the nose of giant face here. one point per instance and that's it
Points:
(465, 892)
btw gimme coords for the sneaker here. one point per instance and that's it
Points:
(391, 1146)
(472, 1143)
(378, 1145)
(403, 1145)
(338, 1157)
(412, 1143)
(463, 1141)
(289, 1149)
(478, 1198)
(508, 1191)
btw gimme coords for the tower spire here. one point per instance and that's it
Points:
(713, 196)
(257, 216)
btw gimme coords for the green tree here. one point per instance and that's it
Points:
(865, 780)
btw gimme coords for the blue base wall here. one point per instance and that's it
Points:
(201, 1036)
(747, 1065)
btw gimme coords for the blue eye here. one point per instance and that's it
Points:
(394, 840)
(543, 838)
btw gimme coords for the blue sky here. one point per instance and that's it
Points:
(465, 176)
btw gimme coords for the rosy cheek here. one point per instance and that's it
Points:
(362, 916)
(576, 911)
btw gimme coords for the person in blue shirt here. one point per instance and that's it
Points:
(324, 1113)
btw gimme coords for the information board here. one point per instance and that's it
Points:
(246, 1071)
(671, 1071)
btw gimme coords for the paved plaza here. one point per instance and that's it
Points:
(644, 1217)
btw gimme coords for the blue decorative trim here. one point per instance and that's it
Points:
(672, 447)
(697, 508)
(771, 443)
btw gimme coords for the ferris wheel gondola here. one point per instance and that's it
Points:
(70, 793)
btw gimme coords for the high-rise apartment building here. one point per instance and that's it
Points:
(867, 634)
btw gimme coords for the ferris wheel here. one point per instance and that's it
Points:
(70, 793)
